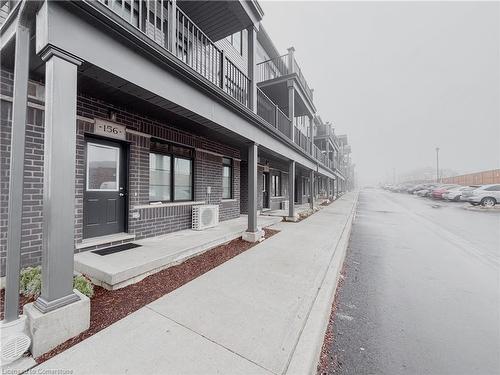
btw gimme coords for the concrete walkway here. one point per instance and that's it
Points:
(246, 316)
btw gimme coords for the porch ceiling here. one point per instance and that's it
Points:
(277, 91)
(219, 19)
(105, 86)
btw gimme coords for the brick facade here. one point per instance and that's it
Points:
(151, 221)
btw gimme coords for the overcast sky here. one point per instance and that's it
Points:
(401, 78)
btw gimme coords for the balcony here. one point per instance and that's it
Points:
(283, 66)
(6, 7)
(170, 28)
(163, 24)
(273, 115)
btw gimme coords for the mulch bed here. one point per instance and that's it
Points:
(107, 307)
(328, 362)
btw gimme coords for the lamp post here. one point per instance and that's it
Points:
(437, 165)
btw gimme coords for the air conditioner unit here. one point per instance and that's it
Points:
(205, 216)
(284, 205)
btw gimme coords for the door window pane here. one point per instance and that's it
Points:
(159, 177)
(103, 164)
(183, 179)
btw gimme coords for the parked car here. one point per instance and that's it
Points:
(437, 193)
(414, 188)
(456, 193)
(485, 195)
(424, 192)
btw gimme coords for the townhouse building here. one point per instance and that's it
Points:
(120, 116)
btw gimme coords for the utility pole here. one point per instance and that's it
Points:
(437, 165)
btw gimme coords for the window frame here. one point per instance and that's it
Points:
(168, 150)
(228, 163)
(170, 178)
(276, 187)
(231, 39)
(117, 166)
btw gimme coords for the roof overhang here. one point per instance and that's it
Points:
(219, 19)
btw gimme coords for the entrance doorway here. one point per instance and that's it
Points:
(265, 191)
(105, 194)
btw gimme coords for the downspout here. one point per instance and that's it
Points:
(27, 12)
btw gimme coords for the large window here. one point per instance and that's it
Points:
(276, 180)
(227, 178)
(170, 173)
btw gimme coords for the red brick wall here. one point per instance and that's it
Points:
(479, 178)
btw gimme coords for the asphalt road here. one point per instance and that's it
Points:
(421, 293)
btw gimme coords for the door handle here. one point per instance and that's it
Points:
(122, 194)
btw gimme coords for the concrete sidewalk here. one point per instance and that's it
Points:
(255, 314)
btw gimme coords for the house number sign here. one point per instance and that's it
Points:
(110, 129)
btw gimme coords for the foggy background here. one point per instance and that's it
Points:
(400, 79)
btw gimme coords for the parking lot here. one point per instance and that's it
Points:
(421, 292)
(474, 224)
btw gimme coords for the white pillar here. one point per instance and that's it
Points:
(18, 134)
(311, 189)
(291, 190)
(59, 180)
(253, 234)
(252, 67)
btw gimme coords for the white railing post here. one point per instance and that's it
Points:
(276, 116)
(172, 26)
(291, 60)
(291, 106)
(311, 127)
(222, 69)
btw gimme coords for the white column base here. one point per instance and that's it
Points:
(47, 330)
(292, 219)
(253, 236)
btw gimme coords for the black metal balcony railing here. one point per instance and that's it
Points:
(179, 35)
(302, 140)
(273, 115)
(282, 66)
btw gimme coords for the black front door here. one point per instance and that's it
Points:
(265, 190)
(104, 199)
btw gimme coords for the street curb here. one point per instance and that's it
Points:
(306, 355)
